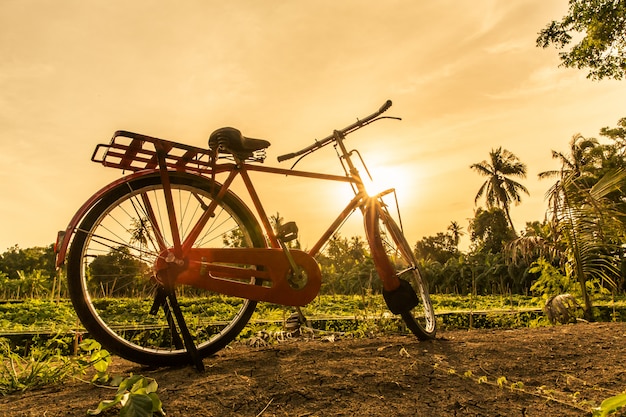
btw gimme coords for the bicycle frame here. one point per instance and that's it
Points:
(360, 199)
(162, 158)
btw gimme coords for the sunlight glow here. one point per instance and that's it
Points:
(386, 177)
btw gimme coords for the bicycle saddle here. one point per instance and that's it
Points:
(230, 140)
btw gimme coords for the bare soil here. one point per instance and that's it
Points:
(554, 371)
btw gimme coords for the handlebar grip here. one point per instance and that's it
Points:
(287, 156)
(385, 106)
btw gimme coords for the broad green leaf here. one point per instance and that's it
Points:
(128, 383)
(610, 405)
(89, 344)
(104, 405)
(138, 405)
(101, 360)
(157, 405)
(152, 386)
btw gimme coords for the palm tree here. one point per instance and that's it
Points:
(500, 190)
(456, 230)
(582, 154)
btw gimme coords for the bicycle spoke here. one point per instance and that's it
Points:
(161, 244)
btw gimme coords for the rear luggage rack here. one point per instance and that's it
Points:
(135, 152)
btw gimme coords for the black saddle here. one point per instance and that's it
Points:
(230, 140)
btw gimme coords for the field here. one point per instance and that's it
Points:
(39, 316)
(563, 370)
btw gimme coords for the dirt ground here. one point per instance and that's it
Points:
(553, 371)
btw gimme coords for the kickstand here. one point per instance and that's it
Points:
(160, 301)
(301, 317)
(190, 346)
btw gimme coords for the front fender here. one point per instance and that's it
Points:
(386, 271)
(64, 237)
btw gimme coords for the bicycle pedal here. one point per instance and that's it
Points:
(287, 232)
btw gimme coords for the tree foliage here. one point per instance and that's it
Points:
(118, 272)
(438, 248)
(590, 229)
(490, 230)
(347, 267)
(27, 260)
(585, 230)
(29, 273)
(599, 26)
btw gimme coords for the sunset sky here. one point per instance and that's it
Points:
(465, 76)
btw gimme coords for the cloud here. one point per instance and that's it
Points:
(505, 47)
(540, 81)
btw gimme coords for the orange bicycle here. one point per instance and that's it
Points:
(165, 266)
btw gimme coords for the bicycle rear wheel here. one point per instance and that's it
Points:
(110, 270)
(393, 255)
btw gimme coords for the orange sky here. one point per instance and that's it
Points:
(465, 76)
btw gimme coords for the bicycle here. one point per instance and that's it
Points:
(184, 257)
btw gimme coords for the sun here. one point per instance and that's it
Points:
(386, 177)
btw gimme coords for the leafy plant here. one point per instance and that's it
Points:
(137, 397)
(610, 405)
(550, 282)
(99, 358)
(136, 394)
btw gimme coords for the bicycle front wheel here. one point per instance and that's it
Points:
(393, 255)
(111, 273)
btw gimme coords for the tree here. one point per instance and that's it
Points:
(347, 267)
(618, 134)
(27, 260)
(590, 229)
(490, 230)
(118, 272)
(29, 272)
(499, 190)
(458, 275)
(234, 239)
(602, 48)
(456, 230)
(586, 211)
(582, 154)
(537, 241)
(438, 248)
(585, 222)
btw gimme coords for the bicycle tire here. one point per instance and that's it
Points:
(392, 254)
(114, 244)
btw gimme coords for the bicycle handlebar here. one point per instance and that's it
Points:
(346, 130)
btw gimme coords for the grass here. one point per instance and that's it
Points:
(40, 367)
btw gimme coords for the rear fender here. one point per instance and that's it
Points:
(64, 237)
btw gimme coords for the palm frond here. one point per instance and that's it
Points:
(587, 223)
(529, 248)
